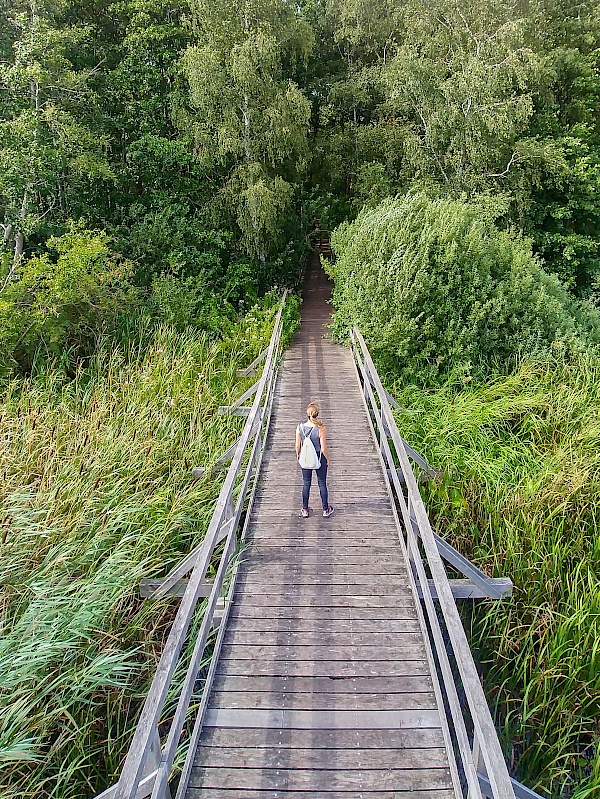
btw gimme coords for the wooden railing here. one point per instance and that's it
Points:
(478, 767)
(149, 761)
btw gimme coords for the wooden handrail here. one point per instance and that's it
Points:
(474, 743)
(147, 766)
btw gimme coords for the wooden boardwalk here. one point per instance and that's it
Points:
(323, 685)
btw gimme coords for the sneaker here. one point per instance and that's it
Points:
(304, 513)
(327, 513)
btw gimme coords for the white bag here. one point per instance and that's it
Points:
(308, 458)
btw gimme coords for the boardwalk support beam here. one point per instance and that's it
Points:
(497, 588)
(238, 408)
(222, 462)
(251, 368)
(521, 791)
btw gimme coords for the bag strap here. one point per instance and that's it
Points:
(304, 435)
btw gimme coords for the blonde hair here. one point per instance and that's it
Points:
(312, 411)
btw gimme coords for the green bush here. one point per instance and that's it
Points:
(59, 303)
(434, 286)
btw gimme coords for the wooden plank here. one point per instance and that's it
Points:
(334, 701)
(312, 591)
(345, 520)
(311, 546)
(302, 625)
(356, 582)
(274, 566)
(236, 636)
(234, 793)
(321, 779)
(324, 719)
(333, 669)
(314, 653)
(334, 542)
(325, 600)
(243, 610)
(424, 738)
(318, 685)
(344, 759)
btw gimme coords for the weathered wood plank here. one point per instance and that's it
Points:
(333, 669)
(424, 738)
(321, 779)
(224, 793)
(326, 600)
(303, 582)
(342, 638)
(251, 626)
(242, 610)
(344, 759)
(316, 590)
(275, 564)
(323, 719)
(287, 700)
(318, 685)
(314, 653)
(367, 548)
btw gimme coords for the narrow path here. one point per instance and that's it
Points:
(323, 685)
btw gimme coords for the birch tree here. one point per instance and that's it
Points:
(43, 146)
(249, 117)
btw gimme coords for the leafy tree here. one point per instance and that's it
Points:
(248, 118)
(45, 150)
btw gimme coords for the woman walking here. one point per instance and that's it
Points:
(314, 429)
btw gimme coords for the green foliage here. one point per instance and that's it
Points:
(245, 114)
(60, 300)
(434, 286)
(519, 497)
(96, 495)
(485, 97)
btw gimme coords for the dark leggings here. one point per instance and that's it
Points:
(321, 479)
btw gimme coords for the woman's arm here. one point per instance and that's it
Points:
(324, 449)
(298, 443)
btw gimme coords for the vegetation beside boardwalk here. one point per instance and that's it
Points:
(520, 496)
(96, 495)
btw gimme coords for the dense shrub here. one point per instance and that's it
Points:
(59, 300)
(434, 285)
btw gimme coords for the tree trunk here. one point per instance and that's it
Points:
(8, 233)
(19, 244)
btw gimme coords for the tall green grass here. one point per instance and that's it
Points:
(96, 494)
(520, 496)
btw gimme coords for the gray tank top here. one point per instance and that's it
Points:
(305, 430)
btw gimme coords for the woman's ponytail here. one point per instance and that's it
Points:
(312, 411)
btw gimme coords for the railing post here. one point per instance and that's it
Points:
(477, 766)
(153, 762)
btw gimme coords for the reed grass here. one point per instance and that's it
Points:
(520, 497)
(96, 494)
